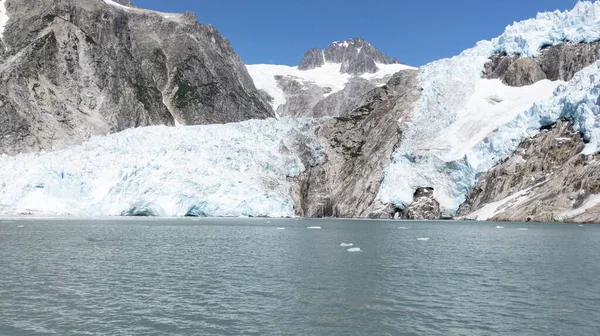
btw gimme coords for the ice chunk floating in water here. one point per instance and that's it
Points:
(346, 244)
(354, 249)
(523, 229)
(403, 228)
(280, 228)
(422, 239)
(314, 227)
(499, 227)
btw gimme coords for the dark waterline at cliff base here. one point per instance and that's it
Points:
(277, 277)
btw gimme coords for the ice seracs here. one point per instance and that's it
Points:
(231, 170)
(463, 124)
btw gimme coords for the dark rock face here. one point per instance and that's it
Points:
(78, 68)
(356, 57)
(358, 147)
(547, 177)
(312, 59)
(558, 62)
(423, 207)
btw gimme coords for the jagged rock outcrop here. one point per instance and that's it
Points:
(423, 207)
(546, 179)
(557, 62)
(312, 59)
(356, 56)
(357, 146)
(77, 68)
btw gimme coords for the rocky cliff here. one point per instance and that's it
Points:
(72, 69)
(357, 147)
(546, 179)
(555, 62)
(327, 82)
(356, 56)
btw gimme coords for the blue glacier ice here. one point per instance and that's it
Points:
(489, 119)
(238, 169)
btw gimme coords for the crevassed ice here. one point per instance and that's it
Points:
(462, 124)
(237, 169)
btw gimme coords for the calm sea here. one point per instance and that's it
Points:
(251, 277)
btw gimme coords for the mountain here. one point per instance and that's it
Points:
(328, 82)
(355, 56)
(506, 130)
(72, 69)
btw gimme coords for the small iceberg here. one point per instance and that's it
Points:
(21, 226)
(346, 244)
(581, 225)
(403, 228)
(523, 229)
(499, 227)
(314, 227)
(423, 239)
(280, 228)
(354, 249)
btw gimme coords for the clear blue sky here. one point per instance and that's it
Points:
(414, 31)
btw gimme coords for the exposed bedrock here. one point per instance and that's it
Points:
(358, 146)
(557, 62)
(73, 69)
(546, 179)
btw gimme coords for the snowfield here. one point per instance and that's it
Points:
(218, 170)
(463, 125)
(326, 76)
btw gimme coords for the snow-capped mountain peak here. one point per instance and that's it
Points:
(355, 56)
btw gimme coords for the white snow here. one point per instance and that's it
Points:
(492, 209)
(3, 18)
(169, 16)
(231, 170)
(354, 249)
(463, 125)
(590, 202)
(346, 244)
(326, 76)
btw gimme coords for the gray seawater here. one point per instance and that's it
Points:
(245, 277)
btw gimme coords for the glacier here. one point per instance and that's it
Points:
(439, 147)
(230, 170)
(328, 75)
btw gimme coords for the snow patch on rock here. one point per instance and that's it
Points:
(327, 76)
